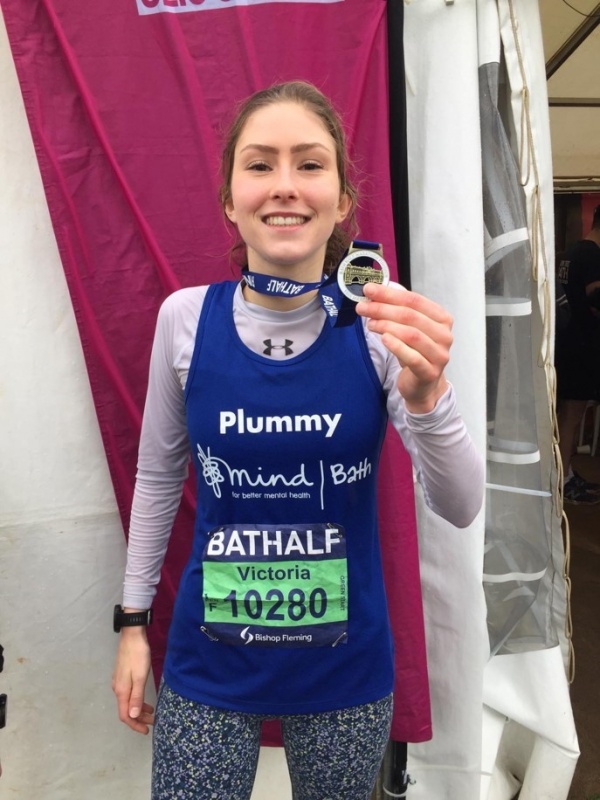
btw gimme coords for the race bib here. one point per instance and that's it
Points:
(276, 585)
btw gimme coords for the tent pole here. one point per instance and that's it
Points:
(578, 36)
(398, 157)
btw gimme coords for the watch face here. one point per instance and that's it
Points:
(359, 268)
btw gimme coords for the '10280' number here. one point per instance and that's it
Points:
(296, 604)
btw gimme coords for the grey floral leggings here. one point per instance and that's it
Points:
(206, 753)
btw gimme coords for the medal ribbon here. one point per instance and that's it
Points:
(340, 309)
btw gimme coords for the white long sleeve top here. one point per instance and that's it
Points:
(445, 461)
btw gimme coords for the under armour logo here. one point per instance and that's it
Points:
(269, 347)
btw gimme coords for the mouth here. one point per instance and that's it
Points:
(279, 221)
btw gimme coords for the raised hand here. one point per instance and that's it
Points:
(418, 332)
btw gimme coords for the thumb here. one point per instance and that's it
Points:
(136, 701)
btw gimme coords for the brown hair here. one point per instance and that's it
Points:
(307, 95)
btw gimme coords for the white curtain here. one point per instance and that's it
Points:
(527, 705)
(447, 239)
(62, 548)
(495, 732)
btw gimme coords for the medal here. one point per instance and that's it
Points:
(364, 263)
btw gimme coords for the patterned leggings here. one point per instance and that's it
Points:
(206, 753)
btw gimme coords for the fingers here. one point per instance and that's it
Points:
(132, 709)
(141, 723)
(421, 355)
(418, 332)
(414, 346)
(390, 307)
(415, 329)
(136, 699)
(395, 297)
(129, 683)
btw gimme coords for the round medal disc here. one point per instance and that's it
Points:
(353, 276)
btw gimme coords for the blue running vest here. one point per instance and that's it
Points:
(281, 608)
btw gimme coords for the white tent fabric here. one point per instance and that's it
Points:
(447, 239)
(528, 743)
(62, 548)
(539, 744)
(61, 542)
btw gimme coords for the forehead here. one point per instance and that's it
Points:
(282, 124)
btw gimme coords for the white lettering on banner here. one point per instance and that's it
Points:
(329, 304)
(181, 6)
(284, 287)
(256, 542)
(284, 424)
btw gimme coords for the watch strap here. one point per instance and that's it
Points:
(128, 619)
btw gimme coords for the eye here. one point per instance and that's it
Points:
(258, 166)
(309, 166)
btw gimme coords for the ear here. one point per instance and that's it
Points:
(344, 207)
(230, 211)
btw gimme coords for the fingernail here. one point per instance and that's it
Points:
(134, 712)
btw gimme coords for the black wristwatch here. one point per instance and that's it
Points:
(127, 619)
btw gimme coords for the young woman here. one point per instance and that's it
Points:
(281, 610)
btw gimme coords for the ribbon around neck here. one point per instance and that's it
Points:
(340, 309)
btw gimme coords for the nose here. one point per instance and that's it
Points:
(284, 184)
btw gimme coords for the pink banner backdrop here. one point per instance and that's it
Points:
(127, 101)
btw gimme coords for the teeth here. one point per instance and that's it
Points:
(284, 220)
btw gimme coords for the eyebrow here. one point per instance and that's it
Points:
(297, 148)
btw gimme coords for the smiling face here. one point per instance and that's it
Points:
(285, 196)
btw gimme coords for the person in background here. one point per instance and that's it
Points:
(577, 356)
(281, 609)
